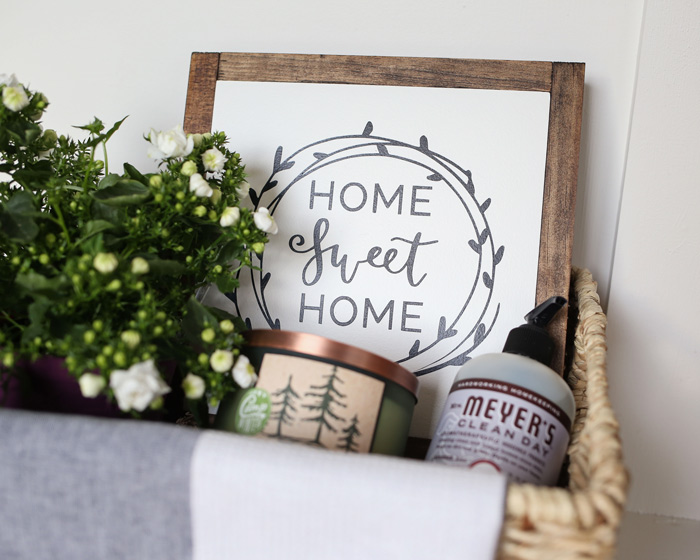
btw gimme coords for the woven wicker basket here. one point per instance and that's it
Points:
(581, 521)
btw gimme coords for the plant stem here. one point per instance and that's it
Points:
(61, 222)
(104, 153)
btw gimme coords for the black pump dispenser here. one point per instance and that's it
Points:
(532, 339)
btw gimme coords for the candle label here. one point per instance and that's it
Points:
(495, 425)
(320, 404)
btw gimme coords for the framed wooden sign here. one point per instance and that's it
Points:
(424, 205)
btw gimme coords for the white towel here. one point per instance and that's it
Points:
(256, 498)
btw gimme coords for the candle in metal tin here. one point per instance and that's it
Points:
(329, 394)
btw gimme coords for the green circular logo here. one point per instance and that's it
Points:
(252, 411)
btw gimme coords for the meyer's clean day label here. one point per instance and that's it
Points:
(489, 424)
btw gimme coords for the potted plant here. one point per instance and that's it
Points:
(100, 270)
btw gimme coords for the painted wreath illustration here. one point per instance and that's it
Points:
(470, 320)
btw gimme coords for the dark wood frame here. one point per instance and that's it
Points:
(562, 80)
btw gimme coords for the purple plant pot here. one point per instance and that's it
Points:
(47, 386)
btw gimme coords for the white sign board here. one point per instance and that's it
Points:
(409, 217)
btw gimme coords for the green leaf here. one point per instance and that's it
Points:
(96, 226)
(38, 172)
(37, 310)
(22, 132)
(124, 193)
(96, 127)
(39, 285)
(227, 283)
(107, 135)
(21, 203)
(109, 181)
(17, 218)
(230, 252)
(110, 214)
(18, 228)
(197, 317)
(135, 174)
(165, 266)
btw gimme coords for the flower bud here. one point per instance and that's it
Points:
(89, 337)
(119, 358)
(49, 138)
(197, 139)
(194, 386)
(156, 181)
(91, 385)
(8, 360)
(226, 326)
(208, 334)
(200, 211)
(189, 168)
(131, 338)
(105, 262)
(113, 286)
(139, 265)
(157, 403)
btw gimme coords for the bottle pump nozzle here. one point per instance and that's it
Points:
(532, 339)
(541, 315)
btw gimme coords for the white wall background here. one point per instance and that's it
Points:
(111, 59)
(653, 313)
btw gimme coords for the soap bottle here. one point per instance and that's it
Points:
(510, 412)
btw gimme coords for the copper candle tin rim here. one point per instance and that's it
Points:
(326, 348)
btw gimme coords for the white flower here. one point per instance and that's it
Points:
(105, 262)
(264, 221)
(172, 143)
(244, 373)
(213, 160)
(139, 265)
(14, 97)
(230, 216)
(10, 80)
(138, 386)
(193, 385)
(242, 190)
(221, 360)
(200, 187)
(91, 385)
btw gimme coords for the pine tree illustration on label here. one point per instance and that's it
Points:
(320, 404)
(368, 262)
